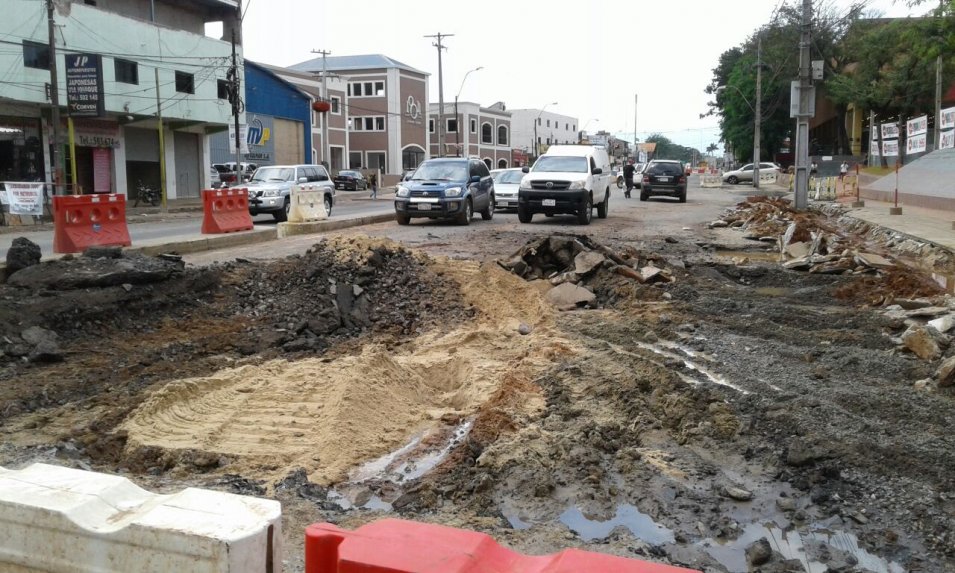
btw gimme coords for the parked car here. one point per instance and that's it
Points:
(569, 179)
(507, 182)
(351, 181)
(214, 180)
(446, 188)
(617, 175)
(271, 186)
(227, 174)
(638, 174)
(664, 177)
(745, 173)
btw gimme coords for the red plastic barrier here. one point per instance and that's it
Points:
(396, 546)
(225, 211)
(82, 221)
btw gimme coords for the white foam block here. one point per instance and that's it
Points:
(55, 519)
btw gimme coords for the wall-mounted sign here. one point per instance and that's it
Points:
(24, 198)
(890, 148)
(947, 140)
(413, 109)
(915, 144)
(890, 130)
(84, 85)
(916, 126)
(948, 118)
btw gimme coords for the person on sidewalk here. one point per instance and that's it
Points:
(843, 170)
(628, 170)
(373, 181)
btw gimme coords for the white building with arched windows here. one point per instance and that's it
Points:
(473, 131)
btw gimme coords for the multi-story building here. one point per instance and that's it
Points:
(534, 130)
(386, 107)
(122, 57)
(473, 131)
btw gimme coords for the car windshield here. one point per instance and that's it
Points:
(558, 164)
(265, 174)
(349, 173)
(441, 171)
(665, 169)
(509, 176)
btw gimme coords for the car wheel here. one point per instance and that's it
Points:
(604, 207)
(683, 196)
(732, 180)
(644, 195)
(523, 215)
(282, 216)
(464, 217)
(619, 183)
(402, 219)
(488, 213)
(586, 213)
(328, 204)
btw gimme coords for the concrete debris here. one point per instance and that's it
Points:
(648, 274)
(798, 250)
(22, 253)
(943, 324)
(921, 342)
(739, 494)
(587, 261)
(874, 261)
(569, 295)
(759, 553)
(945, 375)
(927, 311)
(718, 224)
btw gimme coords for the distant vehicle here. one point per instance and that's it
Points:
(568, 179)
(507, 182)
(227, 173)
(664, 177)
(745, 173)
(270, 188)
(446, 188)
(618, 177)
(638, 174)
(351, 180)
(214, 180)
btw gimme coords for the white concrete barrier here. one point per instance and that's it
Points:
(711, 180)
(307, 203)
(60, 520)
(768, 176)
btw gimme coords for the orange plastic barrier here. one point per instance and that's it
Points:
(396, 546)
(225, 211)
(82, 221)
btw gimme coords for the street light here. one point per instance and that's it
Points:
(757, 111)
(457, 130)
(584, 130)
(537, 147)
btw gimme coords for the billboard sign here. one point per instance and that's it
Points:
(84, 85)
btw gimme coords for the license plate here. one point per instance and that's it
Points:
(663, 179)
(504, 203)
(424, 206)
(549, 202)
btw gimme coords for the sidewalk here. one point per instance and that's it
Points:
(932, 225)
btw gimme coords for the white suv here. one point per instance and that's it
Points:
(745, 173)
(570, 179)
(271, 186)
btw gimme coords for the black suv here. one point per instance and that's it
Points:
(664, 177)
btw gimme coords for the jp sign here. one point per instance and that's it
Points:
(84, 85)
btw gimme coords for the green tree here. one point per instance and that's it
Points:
(667, 149)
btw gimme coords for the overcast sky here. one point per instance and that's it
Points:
(590, 56)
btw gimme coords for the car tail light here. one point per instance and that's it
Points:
(646, 178)
(682, 179)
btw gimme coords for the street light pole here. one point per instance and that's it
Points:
(801, 186)
(758, 110)
(537, 146)
(439, 36)
(457, 121)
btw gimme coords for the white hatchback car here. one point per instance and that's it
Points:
(506, 184)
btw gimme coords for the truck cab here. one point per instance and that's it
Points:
(568, 179)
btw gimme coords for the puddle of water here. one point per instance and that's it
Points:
(346, 503)
(711, 377)
(792, 545)
(516, 522)
(640, 525)
(397, 467)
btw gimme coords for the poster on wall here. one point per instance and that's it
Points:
(890, 131)
(947, 140)
(916, 144)
(24, 198)
(874, 149)
(243, 138)
(916, 126)
(890, 148)
(101, 178)
(948, 118)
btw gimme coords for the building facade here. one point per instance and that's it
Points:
(279, 118)
(385, 107)
(134, 65)
(473, 131)
(536, 129)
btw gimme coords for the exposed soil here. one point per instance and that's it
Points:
(679, 418)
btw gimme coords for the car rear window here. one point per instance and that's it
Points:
(508, 176)
(665, 169)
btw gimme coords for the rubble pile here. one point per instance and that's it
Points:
(766, 218)
(577, 266)
(924, 327)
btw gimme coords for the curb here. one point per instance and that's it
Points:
(293, 229)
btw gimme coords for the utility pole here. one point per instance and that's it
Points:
(325, 147)
(802, 121)
(636, 154)
(162, 143)
(938, 100)
(236, 101)
(439, 36)
(757, 139)
(55, 103)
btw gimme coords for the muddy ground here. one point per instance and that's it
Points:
(680, 420)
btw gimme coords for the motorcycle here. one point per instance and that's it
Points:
(147, 194)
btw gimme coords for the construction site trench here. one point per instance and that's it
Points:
(773, 393)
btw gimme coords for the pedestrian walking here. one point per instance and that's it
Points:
(373, 181)
(843, 170)
(813, 169)
(628, 170)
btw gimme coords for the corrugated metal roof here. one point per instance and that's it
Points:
(361, 62)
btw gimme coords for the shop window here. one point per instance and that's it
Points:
(127, 72)
(36, 55)
(185, 83)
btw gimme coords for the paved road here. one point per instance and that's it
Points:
(629, 219)
(180, 226)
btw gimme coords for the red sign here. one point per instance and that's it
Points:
(518, 157)
(101, 170)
